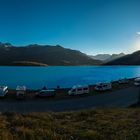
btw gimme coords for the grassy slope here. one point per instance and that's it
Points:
(94, 124)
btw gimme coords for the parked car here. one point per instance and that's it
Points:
(78, 90)
(46, 93)
(103, 86)
(123, 81)
(137, 82)
(3, 91)
(20, 92)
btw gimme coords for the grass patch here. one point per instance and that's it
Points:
(93, 124)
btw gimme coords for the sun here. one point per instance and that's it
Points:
(137, 41)
(137, 44)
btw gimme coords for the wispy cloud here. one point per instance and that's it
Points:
(138, 33)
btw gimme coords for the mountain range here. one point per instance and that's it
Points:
(47, 55)
(42, 55)
(107, 57)
(130, 59)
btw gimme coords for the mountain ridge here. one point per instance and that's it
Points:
(107, 57)
(130, 59)
(48, 55)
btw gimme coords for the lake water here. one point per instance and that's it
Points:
(64, 76)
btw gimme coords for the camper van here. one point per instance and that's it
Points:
(46, 93)
(103, 86)
(137, 82)
(78, 90)
(3, 91)
(20, 92)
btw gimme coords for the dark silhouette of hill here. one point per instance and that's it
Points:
(42, 55)
(130, 59)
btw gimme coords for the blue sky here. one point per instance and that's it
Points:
(91, 26)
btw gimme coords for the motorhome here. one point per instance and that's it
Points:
(103, 86)
(46, 93)
(20, 92)
(78, 90)
(3, 91)
(137, 82)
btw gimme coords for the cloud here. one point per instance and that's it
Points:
(138, 33)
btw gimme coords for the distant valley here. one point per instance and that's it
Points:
(107, 57)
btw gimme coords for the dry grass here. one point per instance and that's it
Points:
(93, 124)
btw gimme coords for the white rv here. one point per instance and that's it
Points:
(20, 92)
(3, 91)
(137, 82)
(78, 90)
(103, 86)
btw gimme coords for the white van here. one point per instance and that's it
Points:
(78, 90)
(3, 91)
(137, 82)
(103, 86)
(20, 92)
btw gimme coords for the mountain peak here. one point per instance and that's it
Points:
(107, 57)
(5, 45)
(130, 59)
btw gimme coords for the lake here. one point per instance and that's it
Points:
(64, 76)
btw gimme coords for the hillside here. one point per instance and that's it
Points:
(43, 55)
(107, 57)
(93, 124)
(131, 59)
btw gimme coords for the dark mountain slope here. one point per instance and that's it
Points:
(43, 55)
(131, 59)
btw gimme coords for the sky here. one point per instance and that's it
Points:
(91, 26)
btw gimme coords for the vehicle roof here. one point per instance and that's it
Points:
(123, 79)
(103, 83)
(2, 88)
(21, 88)
(47, 90)
(80, 86)
(137, 79)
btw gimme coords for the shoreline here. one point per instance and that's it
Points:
(122, 95)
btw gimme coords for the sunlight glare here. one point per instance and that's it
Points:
(137, 45)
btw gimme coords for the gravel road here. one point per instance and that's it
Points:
(119, 98)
